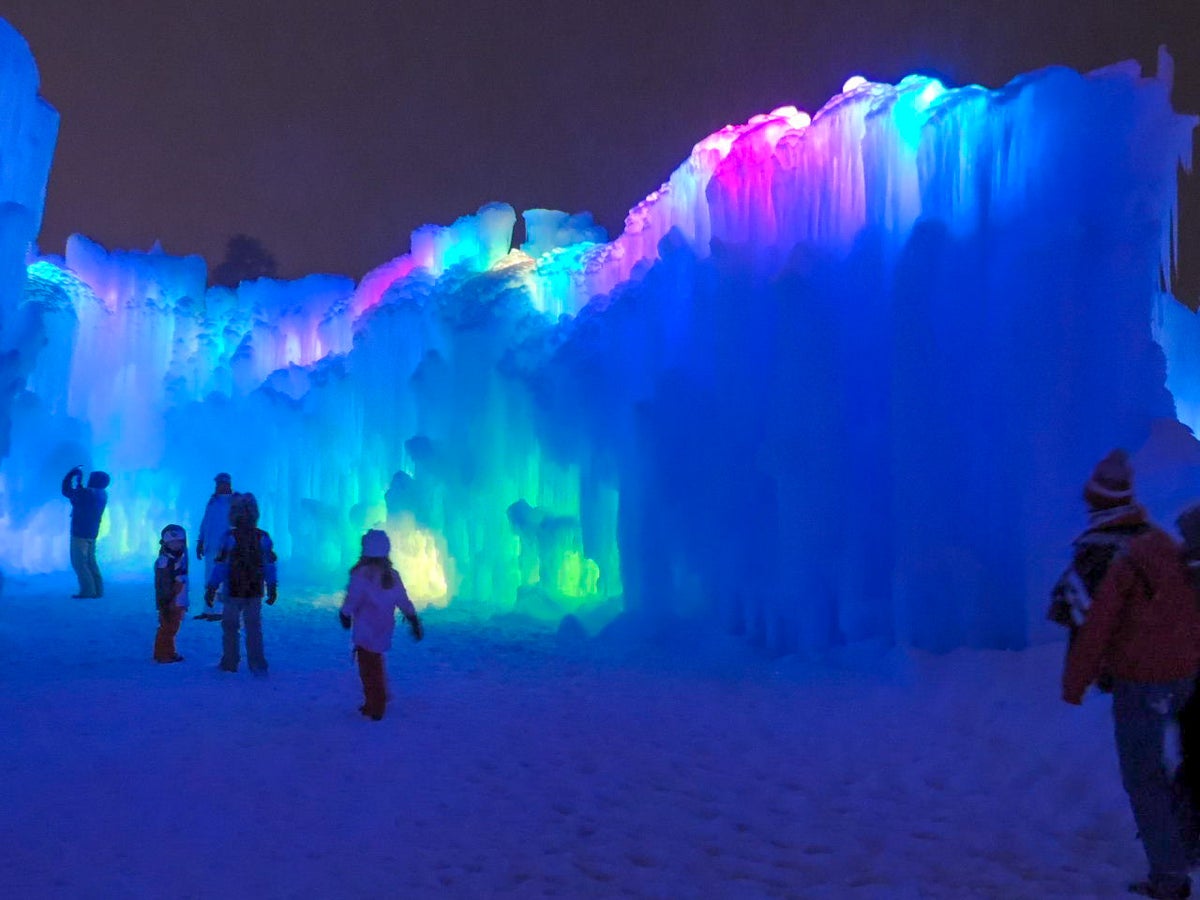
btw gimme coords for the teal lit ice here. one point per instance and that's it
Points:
(839, 379)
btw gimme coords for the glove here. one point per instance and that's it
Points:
(199, 549)
(344, 619)
(1060, 613)
(417, 631)
(272, 594)
(210, 596)
(1073, 693)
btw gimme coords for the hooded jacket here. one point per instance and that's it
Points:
(373, 608)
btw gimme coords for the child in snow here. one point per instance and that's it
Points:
(170, 591)
(373, 595)
(245, 565)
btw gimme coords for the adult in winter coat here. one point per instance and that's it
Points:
(245, 565)
(1187, 779)
(1143, 628)
(87, 508)
(373, 595)
(1113, 520)
(212, 530)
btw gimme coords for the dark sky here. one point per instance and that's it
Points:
(330, 135)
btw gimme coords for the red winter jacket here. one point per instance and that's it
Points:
(1144, 623)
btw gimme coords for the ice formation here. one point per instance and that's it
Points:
(839, 379)
(28, 131)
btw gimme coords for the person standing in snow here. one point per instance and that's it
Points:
(212, 529)
(170, 591)
(373, 595)
(87, 509)
(1187, 778)
(245, 565)
(1113, 521)
(1142, 628)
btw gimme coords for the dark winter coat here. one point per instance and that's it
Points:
(87, 503)
(1144, 622)
(170, 579)
(225, 561)
(1093, 552)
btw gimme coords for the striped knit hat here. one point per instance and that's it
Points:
(1111, 483)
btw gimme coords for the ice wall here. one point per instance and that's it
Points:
(28, 131)
(839, 379)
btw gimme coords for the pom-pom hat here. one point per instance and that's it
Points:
(1111, 483)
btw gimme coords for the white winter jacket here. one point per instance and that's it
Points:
(373, 608)
(215, 523)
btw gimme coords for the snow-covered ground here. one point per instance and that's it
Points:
(515, 764)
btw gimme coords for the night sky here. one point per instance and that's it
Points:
(330, 136)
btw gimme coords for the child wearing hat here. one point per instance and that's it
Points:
(245, 569)
(170, 591)
(373, 595)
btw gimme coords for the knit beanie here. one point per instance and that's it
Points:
(1111, 483)
(172, 533)
(243, 511)
(375, 543)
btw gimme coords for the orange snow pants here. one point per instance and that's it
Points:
(169, 620)
(370, 670)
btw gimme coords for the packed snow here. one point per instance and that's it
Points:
(516, 762)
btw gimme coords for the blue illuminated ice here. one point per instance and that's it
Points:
(28, 131)
(839, 379)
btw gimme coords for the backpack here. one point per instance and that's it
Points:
(246, 563)
(1069, 600)
(1095, 552)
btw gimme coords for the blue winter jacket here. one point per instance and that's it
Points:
(220, 572)
(87, 503)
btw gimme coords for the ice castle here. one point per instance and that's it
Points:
(839, 379)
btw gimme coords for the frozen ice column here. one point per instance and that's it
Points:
(28, 130)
